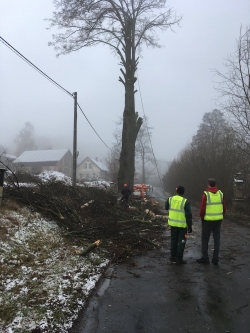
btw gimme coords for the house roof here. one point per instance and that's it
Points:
(99, 164)
(8, 156)
(41, 156)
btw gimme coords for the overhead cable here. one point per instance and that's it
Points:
(149, 137)
(34, 66)
(92, 127)
(50, 79)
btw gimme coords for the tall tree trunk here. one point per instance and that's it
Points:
(143, 167)
(131, 122)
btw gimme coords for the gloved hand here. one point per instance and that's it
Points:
(189, 230)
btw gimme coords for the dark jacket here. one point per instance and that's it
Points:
(203, 202)
(188, 212)
(125, 191)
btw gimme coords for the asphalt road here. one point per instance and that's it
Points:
(155, 296)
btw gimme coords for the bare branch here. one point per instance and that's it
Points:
(234, 92)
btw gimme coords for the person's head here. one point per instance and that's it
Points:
(211, 182)
(180, 190)
(125, 185)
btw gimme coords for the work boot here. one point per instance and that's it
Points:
(215, 261)
(203, 260)
(180, 261)
(171, 261)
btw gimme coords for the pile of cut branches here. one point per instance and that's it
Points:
(87, 214)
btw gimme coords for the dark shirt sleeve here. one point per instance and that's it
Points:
(203, 206)
(224, 206)
(188, 214)
(167, 204)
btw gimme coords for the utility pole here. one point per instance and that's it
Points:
(74, 140)
(1, 184)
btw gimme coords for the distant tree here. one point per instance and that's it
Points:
(234, 90)
(112, 159)
(25, 139)
(44, 142)
(171, 179)
(123, 25)
(143, 152)
(212, 153)
(2, 149)
(112, 163)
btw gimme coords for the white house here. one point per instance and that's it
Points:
(91, 169)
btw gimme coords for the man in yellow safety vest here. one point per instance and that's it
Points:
(180, 221)
(212, 211)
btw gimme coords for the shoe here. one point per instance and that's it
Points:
(172, 260)
(180, 261)
(215, 261)
(203, 260)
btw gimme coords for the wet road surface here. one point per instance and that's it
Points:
(155, 296)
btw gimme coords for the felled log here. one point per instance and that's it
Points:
(90, 248)
(134, 220)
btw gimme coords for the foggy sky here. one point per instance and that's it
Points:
(176, 81)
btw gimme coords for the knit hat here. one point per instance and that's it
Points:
(211, 182)
(180, 190)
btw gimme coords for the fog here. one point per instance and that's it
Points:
(176, 81)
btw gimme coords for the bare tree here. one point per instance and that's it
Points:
(143, 151)
(112, 159)
(123, 25)
(112, 163)
(212, 153)
(234, 90)
(25, 139)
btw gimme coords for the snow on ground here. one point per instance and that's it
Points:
(44, 281)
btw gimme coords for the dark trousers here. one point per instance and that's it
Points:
(178, 241)
(207, 228)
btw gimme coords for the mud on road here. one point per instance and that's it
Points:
(153, 296)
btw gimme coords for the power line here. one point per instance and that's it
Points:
(150, 138)
(50, 79)
(93, 127)
(34, 66)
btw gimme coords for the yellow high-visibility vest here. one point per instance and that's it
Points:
(177, 216)
(214, 206)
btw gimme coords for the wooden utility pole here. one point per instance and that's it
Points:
(74, 141)
(1, 184)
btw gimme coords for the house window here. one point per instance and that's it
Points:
(80, 175)
(85, 166)
(90, 165)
